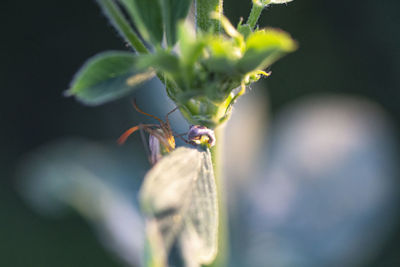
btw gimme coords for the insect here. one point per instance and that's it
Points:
(161, 138)
(178, 194)
(179, 197)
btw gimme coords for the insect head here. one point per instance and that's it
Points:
(161, 138)
(201, 135)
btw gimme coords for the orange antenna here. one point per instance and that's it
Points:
(144, 113)
(122, 139)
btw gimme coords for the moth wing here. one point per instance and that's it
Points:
(199, 235)
(166, 191)
(179, 194)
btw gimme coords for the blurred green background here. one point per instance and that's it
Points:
(350, 47)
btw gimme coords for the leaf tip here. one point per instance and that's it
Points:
(69, 92)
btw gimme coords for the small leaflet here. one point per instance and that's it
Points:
(179, 196)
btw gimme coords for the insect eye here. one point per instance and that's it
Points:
(201, 135)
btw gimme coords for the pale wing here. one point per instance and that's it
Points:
(179, 195)
(167, 191)
(166, 185)
(199, 235)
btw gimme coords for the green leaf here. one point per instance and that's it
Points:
(106, 77)
(117, 19)
(161, 60)
(263, 48)
(179, 195)
(191, 47)
(226, 24)
(173, 12)
(147, 17)
(224, 54)
(220, 65)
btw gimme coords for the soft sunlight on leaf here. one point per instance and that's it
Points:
(264, 47)
(105, 77)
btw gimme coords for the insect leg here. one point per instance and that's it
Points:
(180, 136)
(166, 126)
(144, 113)
(169, 113)
(145, 143)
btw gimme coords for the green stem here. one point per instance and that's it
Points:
(255, 13)
(223, 245)
(204, 8)
(117, 19)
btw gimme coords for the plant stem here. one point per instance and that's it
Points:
(204, 8)
(117, 19)
(223, 244)
(255, 13)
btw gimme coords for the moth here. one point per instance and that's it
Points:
(178, 194)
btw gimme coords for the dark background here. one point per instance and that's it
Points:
(350, 47)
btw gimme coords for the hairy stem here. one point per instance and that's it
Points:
(255, 13)
(203, 10)
(216, 154)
